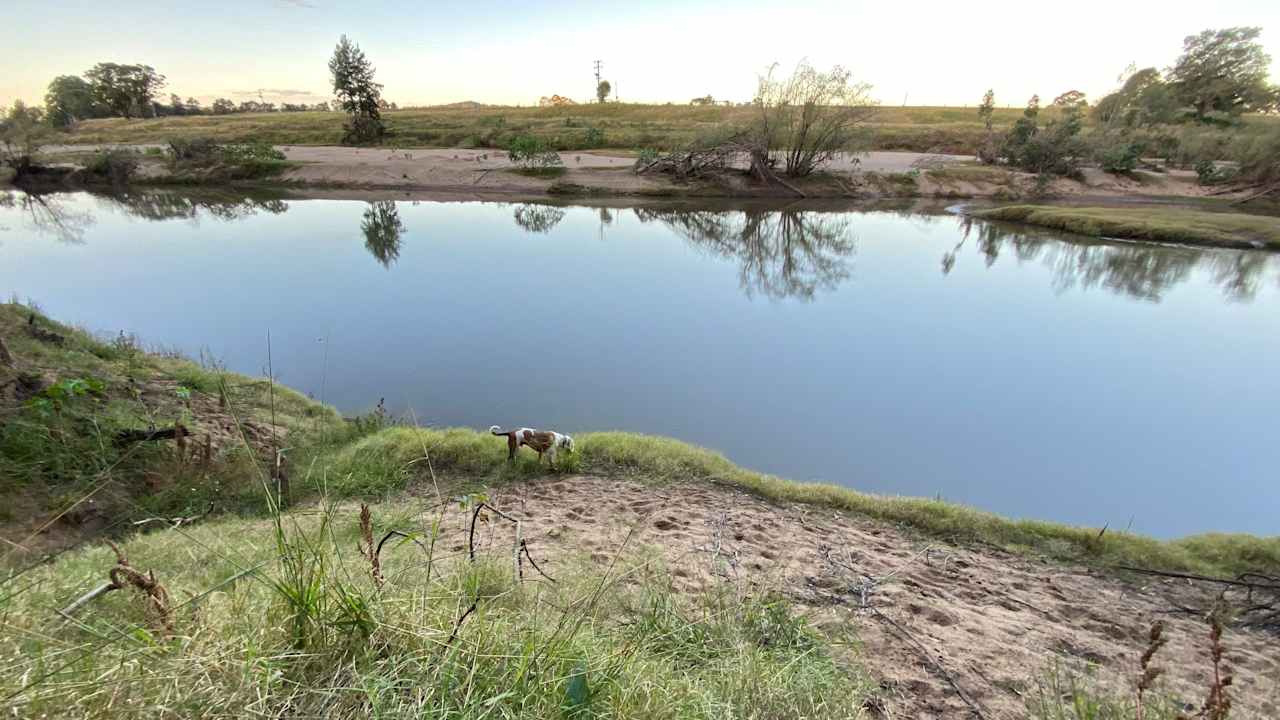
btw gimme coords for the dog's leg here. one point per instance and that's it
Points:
(511, 447)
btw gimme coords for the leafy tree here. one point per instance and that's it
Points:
(1070, 98)
(809, 118)
(69, 98)
(125, 90)
(222, 106)
(22, 131)
(193, 106)
(1144, 99)
(603, 90)
(356, 92)
(1054, 149)
(1222, 71)
(987, 109)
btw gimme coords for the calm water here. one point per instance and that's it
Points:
(1027, 373)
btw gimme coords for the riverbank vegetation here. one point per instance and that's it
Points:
(1158, 224)
(74, 402)
(263, 587)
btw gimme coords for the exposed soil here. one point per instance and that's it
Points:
(489, 172)
(993, 620)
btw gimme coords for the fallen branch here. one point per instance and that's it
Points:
(87, 598)
(1239, 582)
(125, 437)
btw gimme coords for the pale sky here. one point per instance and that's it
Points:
(503, 52)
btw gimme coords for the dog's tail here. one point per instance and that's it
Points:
(494, 429)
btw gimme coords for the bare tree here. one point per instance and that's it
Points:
(808, 118)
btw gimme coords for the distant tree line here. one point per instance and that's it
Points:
(133, 91)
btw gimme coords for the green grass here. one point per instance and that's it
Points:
(385, 463)
(624, 126)
(280, 617)
(1161, 224)
(58, 444)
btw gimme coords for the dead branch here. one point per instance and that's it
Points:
(41, 334)
(524, 547)
(1238, 582)
(458, 626)
(157, 604)
(86, 598)
(126, 437)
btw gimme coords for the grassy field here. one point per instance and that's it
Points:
(617, 126)
(1161, 224)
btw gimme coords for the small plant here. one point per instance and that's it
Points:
(594, 138)
(1209, 172)
(531, 153)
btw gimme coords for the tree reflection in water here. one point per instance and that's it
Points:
(780, 253)
(1138, 270)
(218, 204)
(538, 218)
(49, 215)
(382, 229)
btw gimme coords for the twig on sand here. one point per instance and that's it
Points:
(924, 653)
(1237, 582)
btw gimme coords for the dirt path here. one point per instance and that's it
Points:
(995, 621)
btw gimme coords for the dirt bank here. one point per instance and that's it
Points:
(993, 621)
(488, 171)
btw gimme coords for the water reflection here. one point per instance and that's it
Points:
(538, 218)
(220, 205)
(780, 254)
(382, 229)
(1136, 270)
(49, 214)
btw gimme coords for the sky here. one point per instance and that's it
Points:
(500, 52)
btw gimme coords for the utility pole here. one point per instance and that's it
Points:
(596, 89)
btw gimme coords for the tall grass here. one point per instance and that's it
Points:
(305, 632)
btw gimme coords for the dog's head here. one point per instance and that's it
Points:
(566, 442)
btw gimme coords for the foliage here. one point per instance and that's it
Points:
(1070, 98)
(222, 106)
(1223, 72)
(602, 90)
(359, 96)
(1115, 151)
(113, 164)
(1144, 99)
(988, 151)
(1209, 172)
(530, 152)
(382, 229)
(1054, 149)
(69, 99)
(808, 118)
(22, 131)
(125, 90)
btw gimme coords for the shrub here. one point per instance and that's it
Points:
(531, 153)
(1209, 172)
(1116, 153)
(196, 149)
(253, 151)
(1054, 149)
(114, 165)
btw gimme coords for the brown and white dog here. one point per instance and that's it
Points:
(541, 441)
